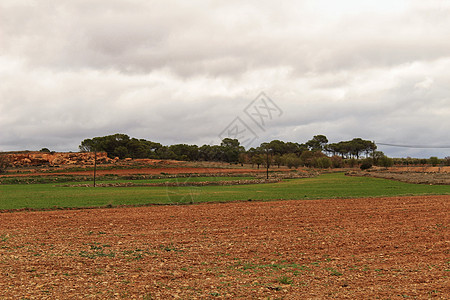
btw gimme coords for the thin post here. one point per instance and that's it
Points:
(95, 166)
(267, 163)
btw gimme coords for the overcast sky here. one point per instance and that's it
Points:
(183, 71)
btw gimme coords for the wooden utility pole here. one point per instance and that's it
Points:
(95, 165)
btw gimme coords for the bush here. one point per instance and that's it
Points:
(351, 162)
(365, 165)
(336, 161)
(4, 163)
(385, 162)
(307, 158)
(447, 161)
(423, 161)
(322, 162)
(434, 161)
(291, 160)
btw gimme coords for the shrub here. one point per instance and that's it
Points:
(4, 163)
(385, 162)
(365, 165)
(434, 161)
(336, 161)
(423, 161)
(447, 161)
(291, 160)
(315, 159)
(322, 162)
(307, 158)
(351, 162)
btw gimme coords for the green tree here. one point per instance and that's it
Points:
(243, 158)
(295, 148)
(277, 147)
(434, 161)
(342, 148)
(231, 149)
(185, 152)
(354, 148)
(291, 160)
(317, 143)
(107, 144)
(277, 159)
(165, 153)
(357, 146)
(307, 158)
(205, 153)
(136, 149)
(121, 152)
(385, 161)
(315, 159)
(376, 156)
(257, 159)
(115, 144)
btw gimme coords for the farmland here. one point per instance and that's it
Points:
(334, 185)
(340, 248)
(304, 236)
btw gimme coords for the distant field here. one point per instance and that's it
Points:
(336, 185)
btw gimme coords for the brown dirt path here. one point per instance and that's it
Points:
(391, 248)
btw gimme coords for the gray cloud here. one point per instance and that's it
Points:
(176, 71)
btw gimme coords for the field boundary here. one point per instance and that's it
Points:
(431, 178)
(180, 184)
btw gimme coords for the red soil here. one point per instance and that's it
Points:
(146, 171)
(305, 249)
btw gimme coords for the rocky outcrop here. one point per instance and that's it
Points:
(57, 158)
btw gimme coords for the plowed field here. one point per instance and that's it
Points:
(306, 249)
(417, 175)
(148, 171)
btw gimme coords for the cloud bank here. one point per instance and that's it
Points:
(180, 72)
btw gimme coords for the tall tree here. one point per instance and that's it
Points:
(231, 149)
(317, 143)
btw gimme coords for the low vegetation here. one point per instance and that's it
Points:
(4, 163)
(334, 185)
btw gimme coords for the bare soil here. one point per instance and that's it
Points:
(388, 248)
(143, 167)
(156, 171)
(419, 175)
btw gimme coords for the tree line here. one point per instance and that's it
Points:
(316, 152)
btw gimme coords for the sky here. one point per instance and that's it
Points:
(198, 71)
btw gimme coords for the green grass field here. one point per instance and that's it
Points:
(336, 185)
